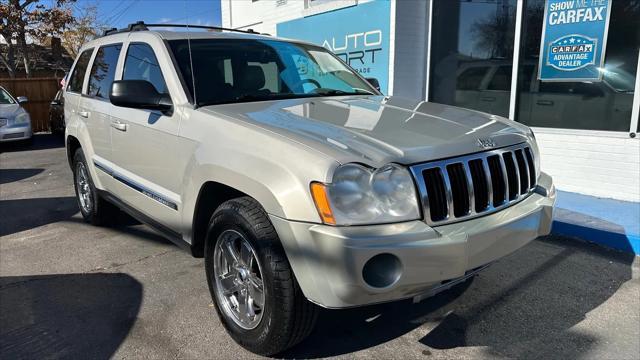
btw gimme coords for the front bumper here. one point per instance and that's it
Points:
(328, 261)
(15, 132)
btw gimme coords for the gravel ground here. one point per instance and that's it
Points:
(70, 290)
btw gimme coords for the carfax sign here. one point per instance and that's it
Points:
(359, 35)
(574, 39)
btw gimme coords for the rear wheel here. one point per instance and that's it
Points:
(251, 282)
(93, 207)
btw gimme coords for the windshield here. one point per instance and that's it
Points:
(5, 98)
(240, 70)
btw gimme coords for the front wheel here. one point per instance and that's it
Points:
(251, 282)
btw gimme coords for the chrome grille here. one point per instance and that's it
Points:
(469, 186)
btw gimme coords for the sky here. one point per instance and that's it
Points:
(119, 13)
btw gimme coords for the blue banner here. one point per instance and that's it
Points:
(359, 35)
(574, 39)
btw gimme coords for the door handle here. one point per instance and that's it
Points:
(488, 98)
(544, 102)
(119, 125)
(84, 114)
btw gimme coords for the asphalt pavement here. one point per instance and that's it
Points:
(71, 290)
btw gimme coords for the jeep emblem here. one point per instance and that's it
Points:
(486, 143)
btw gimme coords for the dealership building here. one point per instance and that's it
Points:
(566, 68)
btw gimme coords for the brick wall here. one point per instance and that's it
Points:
(592, 163)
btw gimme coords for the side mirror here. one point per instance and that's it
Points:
(22, 99)
(139, 94)
(374, 82)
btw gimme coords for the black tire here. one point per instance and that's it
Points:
(288, 316)
(101, 212)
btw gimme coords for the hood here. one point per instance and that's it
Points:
(8, 111)
(376, 130)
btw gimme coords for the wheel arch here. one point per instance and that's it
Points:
(72, 144)
(212, 194)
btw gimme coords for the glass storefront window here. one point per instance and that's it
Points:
(604, 105)
(472, 54)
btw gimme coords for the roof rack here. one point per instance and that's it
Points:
(141, 26)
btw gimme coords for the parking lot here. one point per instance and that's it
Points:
(71, 290)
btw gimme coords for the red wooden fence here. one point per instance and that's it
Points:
(40, 92)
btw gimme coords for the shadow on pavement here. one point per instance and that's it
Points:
(68, 316)
(524, 306)
(10, 175)
(24, 214)
(39, 142)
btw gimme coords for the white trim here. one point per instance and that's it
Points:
(594, 133)
(516, 61)
(429, 32)
(635, 109)
(392, 47)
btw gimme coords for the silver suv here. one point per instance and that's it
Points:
(297, 181)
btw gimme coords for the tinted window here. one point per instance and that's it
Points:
(469, 34)
(471, 78)
(77, 77)
(604, 105)
(103, 71)
(141, 64)
(501, 79)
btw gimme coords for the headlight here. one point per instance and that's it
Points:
(358, 195)
(22, 118)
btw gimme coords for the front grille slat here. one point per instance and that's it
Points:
(531, 166)
(512, 175)
(474, 185)
(434, 183)
(448, 195)
(459, 189)
(523, 170)
(498, 181)
(480, 185)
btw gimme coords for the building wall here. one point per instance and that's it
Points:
(602, 165)
(263, 15)
(408, 69)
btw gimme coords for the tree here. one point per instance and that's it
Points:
(22, 20)
(85, 28)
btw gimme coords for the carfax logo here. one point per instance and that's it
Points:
(572, 52)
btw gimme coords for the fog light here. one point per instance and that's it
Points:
(382, 270)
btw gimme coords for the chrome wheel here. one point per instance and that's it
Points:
(83, 187)
(239, 287)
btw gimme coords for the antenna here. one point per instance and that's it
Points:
(193, 77)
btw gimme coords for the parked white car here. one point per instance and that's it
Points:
(15, 123)
(298, 182)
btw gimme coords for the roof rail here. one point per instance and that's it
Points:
(141, 26)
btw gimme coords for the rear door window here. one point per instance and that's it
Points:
(77, 76)
(103, 71)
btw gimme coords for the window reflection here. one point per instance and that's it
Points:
(604, 105)
(472, 52)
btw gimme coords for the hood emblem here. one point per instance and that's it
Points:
(486, 143)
